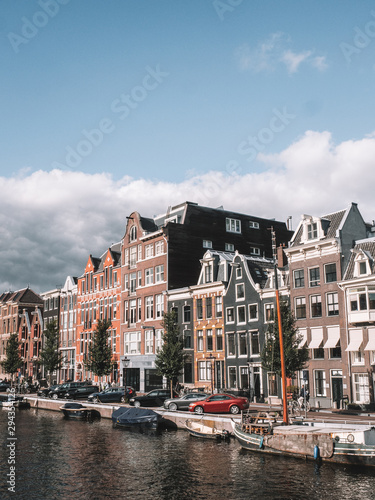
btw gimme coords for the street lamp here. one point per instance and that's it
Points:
(126, 364)
(212, 359)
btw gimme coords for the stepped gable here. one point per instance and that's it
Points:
(368, 248)
(330, 225)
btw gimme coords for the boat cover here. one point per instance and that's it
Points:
(134, 416)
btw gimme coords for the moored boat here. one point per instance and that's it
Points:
(78, 411)
(136, 418)
(203, 430)
(346, 444)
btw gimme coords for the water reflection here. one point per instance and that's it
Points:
(58, 458)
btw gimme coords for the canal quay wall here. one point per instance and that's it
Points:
(174, 419)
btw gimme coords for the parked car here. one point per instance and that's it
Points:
(4, 386)
(112, 395)
(81, 392)
(153, 398)
(220, 403)
(62, 389)
(44, 392)
(183, 402)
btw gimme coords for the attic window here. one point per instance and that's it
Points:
(312, 231)
(133, 233)
(362, 267)
(253, 224)
(254, 251)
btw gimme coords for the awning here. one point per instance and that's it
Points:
(303, 333)
(371, 340)
(356, 339)
(333, 337)
(316, 338)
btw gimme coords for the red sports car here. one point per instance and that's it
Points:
(220, 403)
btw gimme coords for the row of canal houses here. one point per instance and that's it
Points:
(216, 270)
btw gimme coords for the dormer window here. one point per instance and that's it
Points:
(312, 231)
(361, 265)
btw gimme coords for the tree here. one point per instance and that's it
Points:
(99, 358)
(170, 358)
(50, 356)
(13, 360)
(295, 357)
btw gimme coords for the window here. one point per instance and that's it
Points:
(240, 291)
(219, 339)
(199, 309)
(254, 342)
(204, 370)
(159, 273)
(362, 267)
(312, 231)
(209, 340)
(358, 357)
(300, 307)
(316, 306)
(254, 251)
(158, 340)
(200, 340)
(133, 343)
(133, 312)
(208, 307)
(253, 312)
(219, 306)
(233, 225)
(208, 273)
(314, 276)
(318, 353)
(231, 345)
(253, 224)
(238, 272)
(159, 305)
(230, 314)
(159, 247)
(299, 278)
(269, 312)
(229, 247)
(361, 388)
(186, 314)
(332, 304)
(139, 278)
(133, 282)
(149, 307)
(149, 276)
(133, 256)
(320, 383)
(133, 233)
(241, 314)
(139, 302)
(187, 339)
(207, 244)
(149, 251)
(243, 344)
(149, 341)
(139, 253)
(330, 272)
(335, 352)
(232, 376)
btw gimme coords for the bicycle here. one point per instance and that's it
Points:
(296, 407)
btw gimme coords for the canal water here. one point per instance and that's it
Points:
(61, 459)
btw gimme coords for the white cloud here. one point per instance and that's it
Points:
(51, 221)
(275, 50)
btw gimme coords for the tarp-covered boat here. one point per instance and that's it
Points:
(78, 411)
(142, 418)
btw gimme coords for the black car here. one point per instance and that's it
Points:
(45, 391)
(81, 392)
(4, 386)
(62, 389)
(112, 395)
(153, 398)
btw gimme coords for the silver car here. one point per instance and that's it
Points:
(183, 402)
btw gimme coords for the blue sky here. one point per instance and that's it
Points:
(157, 97)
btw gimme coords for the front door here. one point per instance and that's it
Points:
(131, 377)
(337, 389)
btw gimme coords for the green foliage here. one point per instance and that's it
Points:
(170, 358)
(13, 359)
(50, 356)
(295, 358)
(99, 359)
